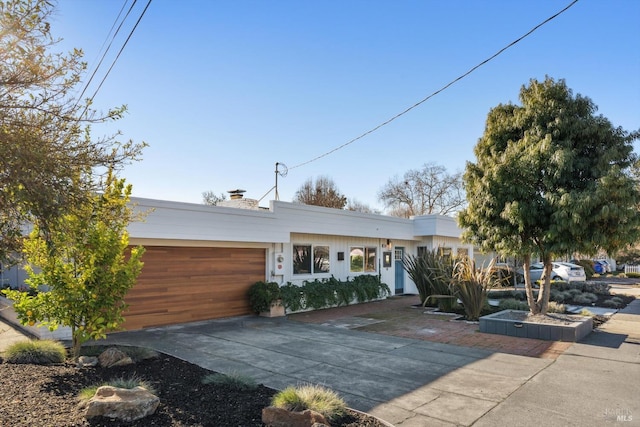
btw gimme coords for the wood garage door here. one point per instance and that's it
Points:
(179, 285)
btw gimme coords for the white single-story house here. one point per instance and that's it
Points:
(201, 260)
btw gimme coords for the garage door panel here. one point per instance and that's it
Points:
(179, 285)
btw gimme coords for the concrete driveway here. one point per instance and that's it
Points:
(411, 382)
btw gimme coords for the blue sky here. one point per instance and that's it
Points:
(222, 90)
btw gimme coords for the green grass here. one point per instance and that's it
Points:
(314, 397)
(233, 380)
(128, 383)
(37, 352)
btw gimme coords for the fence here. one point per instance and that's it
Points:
(632, 269)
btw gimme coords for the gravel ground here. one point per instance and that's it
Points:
(35, 395)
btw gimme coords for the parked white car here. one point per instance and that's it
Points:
(561, 271)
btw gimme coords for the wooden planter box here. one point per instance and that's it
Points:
(276, 310)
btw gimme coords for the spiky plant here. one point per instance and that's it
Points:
(431, 273)
(471, 284)
(37, 352)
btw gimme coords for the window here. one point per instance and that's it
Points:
(321, 259)
(463, 252)
(363, 259)
(308, 259)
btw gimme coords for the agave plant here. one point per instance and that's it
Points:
(471, 285)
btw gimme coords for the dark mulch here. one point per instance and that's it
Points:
(35, 395)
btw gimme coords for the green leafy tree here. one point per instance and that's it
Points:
(45, 131)
(551, 178)
(82, 271)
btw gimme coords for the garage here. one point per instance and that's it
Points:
(188, 284)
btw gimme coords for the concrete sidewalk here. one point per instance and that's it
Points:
(412, 382)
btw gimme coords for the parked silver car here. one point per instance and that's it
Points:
(561, 271)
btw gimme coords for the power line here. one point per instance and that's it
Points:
(439, 90)
(118, 55)
(104, 54)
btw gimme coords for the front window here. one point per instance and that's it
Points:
(363, 259)
(309, 259)
(321, 259)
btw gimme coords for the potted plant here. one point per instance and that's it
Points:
(265, 299)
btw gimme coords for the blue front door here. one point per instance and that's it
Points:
(399, 279)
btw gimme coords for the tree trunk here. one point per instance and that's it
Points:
(75, 343)
(545, 289)
(528, 286)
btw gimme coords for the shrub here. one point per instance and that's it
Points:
(614, 302)
(36, 352)
(513, 304)
(292, 297)
(557, 296)
(314, 397)
(598, 288)
(88, 392)
(262, 295)
(568, 286)
(574, 293)
(233, 380)
(585, 298)
(633, 275)
(330, 292)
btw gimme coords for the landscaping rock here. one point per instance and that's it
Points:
(122, 404)
(113, 357)
(278, 417)
(87, 361)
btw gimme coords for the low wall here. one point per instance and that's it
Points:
(41, 332)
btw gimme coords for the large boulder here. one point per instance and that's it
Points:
(113, 357)
(278, 417)
(121, 403)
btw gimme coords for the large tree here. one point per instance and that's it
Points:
(426, 191)
(48, 158)
(551, 178)
(322, 192)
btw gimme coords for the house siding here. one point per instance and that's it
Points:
(277, 229)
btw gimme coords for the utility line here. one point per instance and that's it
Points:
(437, 91)
(104, 54)
(118, 56)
